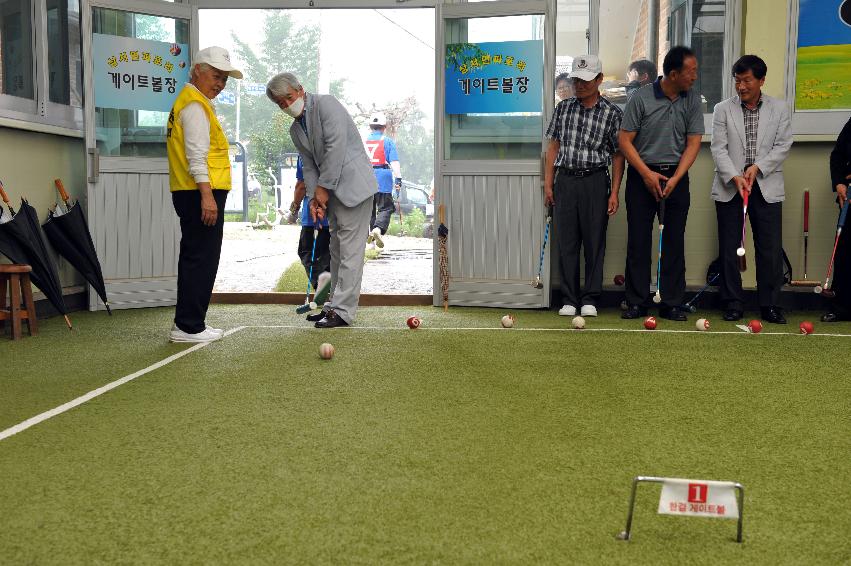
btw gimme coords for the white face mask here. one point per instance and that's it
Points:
(295, 108)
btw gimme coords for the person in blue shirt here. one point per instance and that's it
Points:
(384, 158)
(322, 258)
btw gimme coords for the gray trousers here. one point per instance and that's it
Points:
(581, 218)
(349, 227)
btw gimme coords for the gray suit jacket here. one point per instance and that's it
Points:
(773, 141)
(333, 155)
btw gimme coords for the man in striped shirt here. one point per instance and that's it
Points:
(583, 138)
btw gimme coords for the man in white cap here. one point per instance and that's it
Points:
(339, 183)
(199, 177)
(384, 159)
(583, 136)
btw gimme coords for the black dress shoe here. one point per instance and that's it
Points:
(634, 311)
(331, 320)
(316, 317)
(831, 316)
(732, 315)
(773, 315)
(673, 313)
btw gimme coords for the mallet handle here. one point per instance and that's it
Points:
(806, 211)
(61, 188)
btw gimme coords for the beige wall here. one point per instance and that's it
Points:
(29, 162)
(764, 34)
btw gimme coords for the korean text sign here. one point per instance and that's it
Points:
(698, 498)
(494, 77)
(138, 74)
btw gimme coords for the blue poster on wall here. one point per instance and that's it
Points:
(823, 51)
(138, 74)
(494, 77)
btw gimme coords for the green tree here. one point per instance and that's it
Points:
(416, 148)
(263, 128)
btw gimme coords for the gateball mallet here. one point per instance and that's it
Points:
(806, 228)
(743, 265)
(657, 298)
(826, 290)
(308, 305)
(690, 304)
(538, 283)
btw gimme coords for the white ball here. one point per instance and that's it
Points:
(326, 351)
(817, 289)
(313, 305)
(702, 324)
(657, 298)
(578, 322)
(508, 321)
(740, 252)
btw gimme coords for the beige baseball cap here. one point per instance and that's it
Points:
(586, 67)
(219, 58)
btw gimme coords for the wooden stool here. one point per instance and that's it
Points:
(19, 277)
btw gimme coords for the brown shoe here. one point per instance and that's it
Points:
(331, 320)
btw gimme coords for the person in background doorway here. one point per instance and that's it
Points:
(640, 72)
(583, 141)
(339, 184)
(384, 159)
(320, 260)
(199, 179)
(564, 87)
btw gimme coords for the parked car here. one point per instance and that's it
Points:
(413, 196)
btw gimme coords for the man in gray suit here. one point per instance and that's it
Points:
(751, 137)
(339, 183)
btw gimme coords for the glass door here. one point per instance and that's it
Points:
(495, 98)
(137, 58)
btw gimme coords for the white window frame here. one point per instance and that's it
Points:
(41, 114)
(822, 123)
(732, 45)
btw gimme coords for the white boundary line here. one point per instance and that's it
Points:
(22, 426)
(515, 329)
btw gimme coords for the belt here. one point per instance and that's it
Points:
(663, 166)
(582, 172)
(381, 167)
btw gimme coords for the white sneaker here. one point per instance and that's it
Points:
(205, 335)
(218, 331)
(370, 238)
(588, 310)
(567, 310)
(376, 235)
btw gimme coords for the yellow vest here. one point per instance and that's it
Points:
(218, 163)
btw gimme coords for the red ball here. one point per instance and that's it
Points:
(650, 323)
(806, 327)
(755, 326)
(414, 322)
(619, 280)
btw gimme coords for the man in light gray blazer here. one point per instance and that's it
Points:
(751, 137)
(339, 183)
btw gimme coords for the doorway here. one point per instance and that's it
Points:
(373, 60)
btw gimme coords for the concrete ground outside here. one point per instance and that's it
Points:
(253, 260)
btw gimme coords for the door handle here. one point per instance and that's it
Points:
(94, 165)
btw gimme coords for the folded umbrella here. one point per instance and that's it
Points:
(21, 241)
(69, 234)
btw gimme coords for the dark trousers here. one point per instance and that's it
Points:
(641, 209)
(767, 226)
(322, 259)
(200, 248)
(581, 218)
(383, 204)
(841, 280)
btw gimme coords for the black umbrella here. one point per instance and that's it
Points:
(69, 234)
(21, 242)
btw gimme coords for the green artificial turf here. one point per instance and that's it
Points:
(458, 443)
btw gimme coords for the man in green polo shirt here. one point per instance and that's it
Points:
(660, 138)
